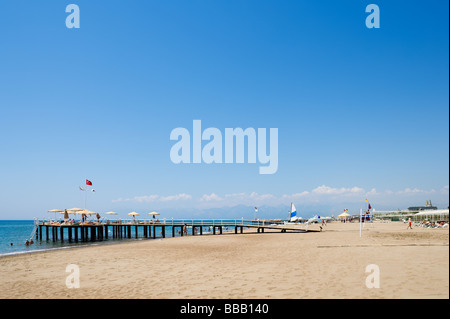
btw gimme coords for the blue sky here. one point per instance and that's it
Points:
(361, 113)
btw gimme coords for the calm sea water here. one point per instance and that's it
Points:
(14, 233)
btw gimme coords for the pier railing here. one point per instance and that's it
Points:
(187, 221)
(195, 222)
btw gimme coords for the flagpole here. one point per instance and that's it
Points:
(360, 214)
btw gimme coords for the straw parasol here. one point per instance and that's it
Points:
(153, 213)
(134, 214)
(110, 213)
(343, 215)
(75, 209)
(86, 212)
(55, 211)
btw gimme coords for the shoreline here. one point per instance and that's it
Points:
(270, 265)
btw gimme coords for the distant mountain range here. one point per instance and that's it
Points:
(248, 212)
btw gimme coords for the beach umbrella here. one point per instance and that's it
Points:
(75, 209)
(133, 214)
(85, 211)
(110, 213)
(55, 211)
(153, 213)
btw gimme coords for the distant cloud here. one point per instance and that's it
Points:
(212, 197)
(175, 197)
(337, 191)
(154, 198)
(415, 191)
(321, 194)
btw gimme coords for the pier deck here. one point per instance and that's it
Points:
(97, 231)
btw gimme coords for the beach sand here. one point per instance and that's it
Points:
(328, 264)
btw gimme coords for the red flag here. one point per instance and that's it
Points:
(88, 182)
(370, 207)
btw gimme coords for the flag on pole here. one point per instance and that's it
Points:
(81, 188)
(370, 207)
(88, 182)
(256, 209)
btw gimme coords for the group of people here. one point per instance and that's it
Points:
(28, 242)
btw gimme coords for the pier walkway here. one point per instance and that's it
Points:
(118, 229)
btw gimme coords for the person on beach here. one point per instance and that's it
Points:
(185, 229)
(409, 224)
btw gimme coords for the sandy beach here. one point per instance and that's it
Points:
(328, 264)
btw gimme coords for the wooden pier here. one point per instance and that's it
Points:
(110, 230)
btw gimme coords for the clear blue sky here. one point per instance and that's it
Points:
(361, 113)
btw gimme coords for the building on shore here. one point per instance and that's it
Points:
(428, 206)
(413, 212)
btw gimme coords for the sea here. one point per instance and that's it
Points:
(14, 233)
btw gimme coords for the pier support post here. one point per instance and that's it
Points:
(46, 232)
(61, 231)
(163, 231)
(70, 234)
